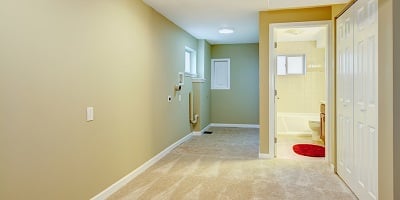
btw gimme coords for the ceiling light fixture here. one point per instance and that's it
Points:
(295, 31)
(226, 30)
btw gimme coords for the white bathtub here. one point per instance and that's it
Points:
(295, 123)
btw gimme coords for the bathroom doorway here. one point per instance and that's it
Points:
(300, 74)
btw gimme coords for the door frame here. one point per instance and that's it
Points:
(329, 83)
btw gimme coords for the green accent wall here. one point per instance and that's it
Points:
(240, 104)
(201, 87)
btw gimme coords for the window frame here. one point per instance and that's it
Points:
(287, 67)
(193, 62)
(214, 77)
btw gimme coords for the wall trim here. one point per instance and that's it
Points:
(235, 125)
(332, 167)
(197, 133)
(198, 80)
(126, 179)
(265, 156)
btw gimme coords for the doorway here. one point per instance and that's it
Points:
(301, 80)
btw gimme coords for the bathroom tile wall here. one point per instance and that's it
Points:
(302, 93)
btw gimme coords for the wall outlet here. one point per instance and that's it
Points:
(89, 114)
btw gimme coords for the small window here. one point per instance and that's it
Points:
(190, 62)
(220, 74)
(290, 65)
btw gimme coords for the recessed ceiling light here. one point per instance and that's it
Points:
(226, 30)
(295, 31)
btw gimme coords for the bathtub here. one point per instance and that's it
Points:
(295, 123)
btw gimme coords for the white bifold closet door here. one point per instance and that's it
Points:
(357, 100)
(345, 96)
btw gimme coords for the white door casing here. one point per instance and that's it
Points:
(272, 86)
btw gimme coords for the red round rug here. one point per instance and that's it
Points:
(309, 150)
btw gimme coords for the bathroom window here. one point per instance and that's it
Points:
(290, 65)
(190, 62)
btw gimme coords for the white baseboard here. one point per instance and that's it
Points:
(126, 179)
(332, 168)
(265, 156)
(197, 133)
(235, 125)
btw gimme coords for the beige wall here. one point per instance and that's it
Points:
(239, 104)
(265, 19)
(396, 91)
(385, 98)
(57, 58)
(302, 93)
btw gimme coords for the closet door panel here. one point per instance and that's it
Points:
(366, 100)
(357, 101)
(345, 134)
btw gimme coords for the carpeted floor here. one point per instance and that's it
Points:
(225, 165)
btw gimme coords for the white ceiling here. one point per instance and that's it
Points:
(295, 34)
(203, 18)
(300, 34)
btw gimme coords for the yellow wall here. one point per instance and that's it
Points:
(302, 93)
(385, 99)
(57, 58)
(396, 90)
(267, 18)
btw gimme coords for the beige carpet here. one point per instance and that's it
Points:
(225, 165)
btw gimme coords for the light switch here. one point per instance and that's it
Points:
(89, 114)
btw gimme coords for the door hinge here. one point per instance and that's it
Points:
(275, 140)
(275, 45)
(275, 92)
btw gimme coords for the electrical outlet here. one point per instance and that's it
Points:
(89, 114)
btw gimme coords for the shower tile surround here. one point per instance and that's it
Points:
(302, 93)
